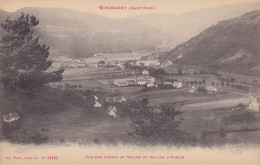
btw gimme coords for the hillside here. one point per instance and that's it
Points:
(231, 45)
(189, 24)
(82, 34)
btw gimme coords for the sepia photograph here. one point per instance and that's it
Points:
(130, 82)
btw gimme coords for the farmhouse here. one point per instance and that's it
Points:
(254, 106)
(167, 83)
(97, 104)
(11, 117)
(121, 99)
(211, 89)
(150, 84)
(152, 79)
(145, 72)
(110, 99)
(192, 90)
(130, 82)
(167, 63)
(176, 84)
(121, 82)
(95, 97)
(111, 110)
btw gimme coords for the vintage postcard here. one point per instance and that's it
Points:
(129, 82)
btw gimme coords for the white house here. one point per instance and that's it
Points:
(96, 98)
(211, 89)
(11, 117)
(110, 99)
(149, 85)
(254, 106)
(145, 72)
(121, 99)
(152, 79)
(167, 83)
(167, 63)
(192, 90)
(176, 84)
(97, 104)
(121, 82)
(112, 111)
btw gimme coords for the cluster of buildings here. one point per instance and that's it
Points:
(175, 84)
(138, 80)
(110, 110)
(67, 62)
(209, 89)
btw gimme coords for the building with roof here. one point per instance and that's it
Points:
(111, 110)
(97, 104)
(254, 105)
(145, 72)
(11, 117)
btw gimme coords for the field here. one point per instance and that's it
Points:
(76, 126)
(199, 121)
(194, 101)
(203, 113)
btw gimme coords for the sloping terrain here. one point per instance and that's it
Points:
(231, 45)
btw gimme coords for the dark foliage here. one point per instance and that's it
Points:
(159, 128)
(24, 60)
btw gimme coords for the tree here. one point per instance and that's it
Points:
(222, 84)
(160, 128)
(227, 84)
(102, 62)
(24, 60)
(180, 71)
(144, 101)
(204, 81)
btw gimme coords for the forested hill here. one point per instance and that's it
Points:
(232, 45)
(82, 34)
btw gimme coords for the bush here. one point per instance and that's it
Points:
(162, 128)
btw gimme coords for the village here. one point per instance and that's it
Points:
(121, 82)
(120, 89)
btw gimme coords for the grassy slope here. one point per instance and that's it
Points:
(222, 41)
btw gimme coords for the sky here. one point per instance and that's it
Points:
(159, 6)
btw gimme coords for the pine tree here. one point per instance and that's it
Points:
(23, 59)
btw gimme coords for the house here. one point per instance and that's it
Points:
(149, 85)
(130, 82)
(211, 89)
(192, 90)
(110, 99)
(167, 63)
(150, 78)
(141, 82)
(121, 82)
(97, 104)
(177, 85)
(145, 72)
(95, 97)
(11, 117)
(254, 106)
(121, 99)
(111, 110)
(167, 83)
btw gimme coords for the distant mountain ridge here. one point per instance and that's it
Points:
(81, 34)
(232, 45)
